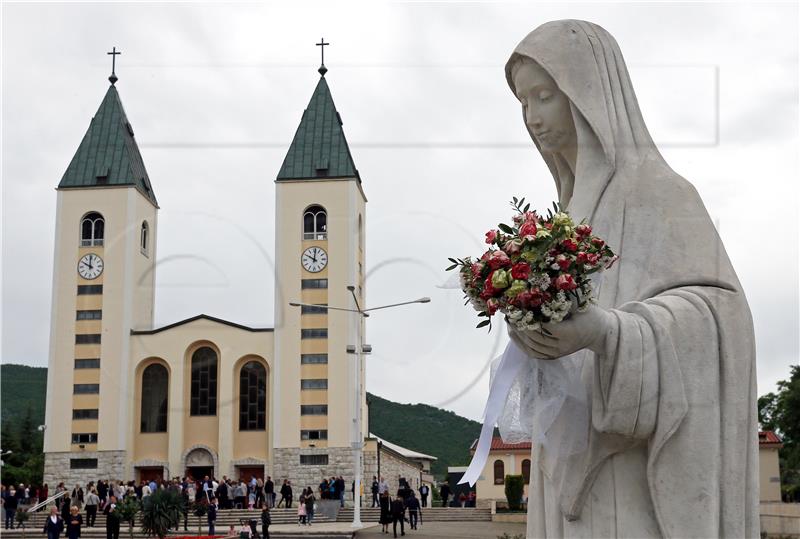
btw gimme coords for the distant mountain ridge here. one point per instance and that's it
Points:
(418, 427)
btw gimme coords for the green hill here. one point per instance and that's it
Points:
(426, 429)
(22, 387)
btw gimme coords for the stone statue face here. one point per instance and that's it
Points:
(545, 108)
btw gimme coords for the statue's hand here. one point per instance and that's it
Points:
(582, 330)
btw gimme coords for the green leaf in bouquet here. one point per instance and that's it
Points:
(483, 324)
(453, 260)
(505, 228)
(527, 207)
(449, 268)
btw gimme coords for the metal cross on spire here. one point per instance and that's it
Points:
(113, 78)
(322, 69)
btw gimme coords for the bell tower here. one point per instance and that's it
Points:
(103, 285)
(320, 216)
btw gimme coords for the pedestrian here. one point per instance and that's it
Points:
(374, 491)
(412, 504)
(44, 493)
(444, 492)
(301, 510)
(259, 493)
(112, 518)
(398, 515)
(386, 513)
(266, 520)
(92, 501)
(423, 494)
(222, 493)
(309, 502)
(74, 523)
(269, 492)
(212, 516)
(10, 503)
(282, 492)
(289, 494)
(54, 524)
(383, 486)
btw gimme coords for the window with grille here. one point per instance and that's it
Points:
(253, 396)
(87, 338)
(314, 383)
(313, 434)
(313, 409)
(144, 238)
(313, 460)
(89, 289)
(314, 333)
(93, 363)
(85, 389)
(87, 413)
(314, 309)
(155, 384)
(84, 438)
(526, 471)
(83, 464)
(204, 382)
(307, 284)
(313, 359)
(92, 229)
(89, 315)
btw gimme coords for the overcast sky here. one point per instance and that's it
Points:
(215, 93)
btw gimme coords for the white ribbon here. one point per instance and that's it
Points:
(510, 364)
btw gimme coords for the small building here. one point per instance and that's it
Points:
(415, 478)
(504, 459)
(769, 480)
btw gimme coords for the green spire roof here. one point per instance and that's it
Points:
(108, 154)
(319, 149)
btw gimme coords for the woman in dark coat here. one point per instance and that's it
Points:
(386, 513)
(54, 524)
(266, 520)
(74, 523)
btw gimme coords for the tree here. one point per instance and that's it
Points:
(161, 511)
(515, 486)
(200, 509)
(127, 511)
(780, 412)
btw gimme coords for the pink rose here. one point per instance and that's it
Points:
(498, 259)
(492, 305)
(569, 245)
(520, 271)
(491, 236)
(565, 282)
(513, 246)
(583, 230)
(597, 242)
(563, 262)
(528, 231)
(581, 257)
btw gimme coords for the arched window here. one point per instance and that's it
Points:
(155, 386)
(499, 472)
(315, 223)
(92, 229)
(253, 397)
(143, 237)
(204, 382)
(526, 471)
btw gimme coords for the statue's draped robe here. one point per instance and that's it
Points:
(672, 444)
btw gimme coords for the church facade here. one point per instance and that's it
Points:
(205, 396)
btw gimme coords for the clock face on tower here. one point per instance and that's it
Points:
(314, 259)
(90, 266)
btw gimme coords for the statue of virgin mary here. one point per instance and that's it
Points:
(666, 358)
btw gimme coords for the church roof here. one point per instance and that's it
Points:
(408, 453)
(319, 148)
(194, 318)
(108, 153)
(499, 445)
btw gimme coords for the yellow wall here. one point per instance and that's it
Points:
(485, 489)
(769, 474)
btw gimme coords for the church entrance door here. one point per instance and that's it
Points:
(151, 473)
(199, 472)
(246, 472)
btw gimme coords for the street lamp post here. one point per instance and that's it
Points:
(360, 348)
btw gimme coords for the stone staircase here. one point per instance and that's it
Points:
(429, 514)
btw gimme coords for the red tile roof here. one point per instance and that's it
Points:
(499, 445)
(769, 438)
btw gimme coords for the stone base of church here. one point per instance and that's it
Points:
(60, 467)
(286, 465)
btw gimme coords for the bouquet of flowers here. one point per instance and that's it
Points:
(535, 270)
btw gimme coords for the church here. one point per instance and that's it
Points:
(206, 396)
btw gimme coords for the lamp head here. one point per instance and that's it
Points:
(424, 300)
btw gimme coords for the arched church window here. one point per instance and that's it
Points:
(155, 387)
(499, 472)
(526, 471)
(253, 396)
(315, 223)
(92, 229)
(143, 237)
(203, 398)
